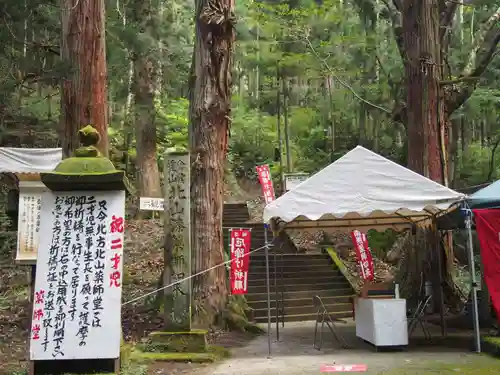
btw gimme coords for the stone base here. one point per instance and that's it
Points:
(179, 347)
(212, 354)
(194, 341)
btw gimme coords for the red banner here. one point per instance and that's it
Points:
(266, 182)
(240, 261)
(363, 254)
(488, 232)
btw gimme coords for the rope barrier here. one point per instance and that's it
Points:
(190, 277)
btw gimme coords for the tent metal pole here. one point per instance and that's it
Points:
(268, 293)
(475, 314)
(276, 298)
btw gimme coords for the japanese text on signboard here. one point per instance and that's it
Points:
(28, 226)
(240, 261)
(77, 302)
(363, 254)
(177, 212)
(266, 182)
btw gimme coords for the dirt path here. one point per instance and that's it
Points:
(294, 355)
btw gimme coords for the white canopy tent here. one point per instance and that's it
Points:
(361, 190)
(29, 160)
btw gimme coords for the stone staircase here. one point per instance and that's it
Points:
(299, 276)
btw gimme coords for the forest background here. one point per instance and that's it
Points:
(414, 80)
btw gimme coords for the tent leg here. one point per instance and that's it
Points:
(268, 293)
(441, 286)
(276, 298)
(475, 315)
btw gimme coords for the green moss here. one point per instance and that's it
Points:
(212, 354)
(177, 342)
(480, 365)
(495, 340)
(89, 136)
(85, 165)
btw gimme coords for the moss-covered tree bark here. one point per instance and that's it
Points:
(210, 107)
(84, 87)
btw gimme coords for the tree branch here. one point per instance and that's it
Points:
(482, 53)
(339, 80)
(479, 40)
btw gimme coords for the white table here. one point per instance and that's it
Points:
(382, 322)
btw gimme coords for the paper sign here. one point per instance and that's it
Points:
(151, 204)
(28, 227)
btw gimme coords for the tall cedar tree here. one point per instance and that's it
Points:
(145, 72)
(209, 112)
(423, 34)
(84, 88)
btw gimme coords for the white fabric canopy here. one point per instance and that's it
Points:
(362, 189)
(29, 160)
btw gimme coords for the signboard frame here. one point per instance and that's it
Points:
(108, 226)
(28, 226)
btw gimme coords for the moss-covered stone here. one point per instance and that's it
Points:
(194, 341)
(85, 165)
(87, 169)
(491, 345)
(211, 354)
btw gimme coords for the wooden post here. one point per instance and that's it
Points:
(177, 261)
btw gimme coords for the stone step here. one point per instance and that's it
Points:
(306, 317)
(334, 278)
(293, 268)
(308, 274)
(289, 260)
(320, 285)
(289, 303)
(303, 294)
(303, 310)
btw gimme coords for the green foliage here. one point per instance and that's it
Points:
(329, 55)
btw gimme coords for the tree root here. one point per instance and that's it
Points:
(235, 316)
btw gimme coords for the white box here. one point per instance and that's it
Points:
(382, 322)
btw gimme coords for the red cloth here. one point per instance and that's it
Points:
(488, 231)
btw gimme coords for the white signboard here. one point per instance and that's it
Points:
(28, 226)
(77, 301)
(151, 204)
(292, 180)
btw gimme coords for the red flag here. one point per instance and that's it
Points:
(240, 261)
(488, 231)
(363, 254)
(266, 182)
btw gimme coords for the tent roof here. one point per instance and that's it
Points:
(486, 197)
(29, 160)
(362, 189)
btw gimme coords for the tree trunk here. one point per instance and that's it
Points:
(84, 89)
(145, 69)
(210, 108)
(424, 97)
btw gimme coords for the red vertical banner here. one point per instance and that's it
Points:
(266, 182)
(240, 261)
(488, 232)
(363, 254)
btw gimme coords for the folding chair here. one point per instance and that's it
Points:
(324, 317)
(418, 317)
